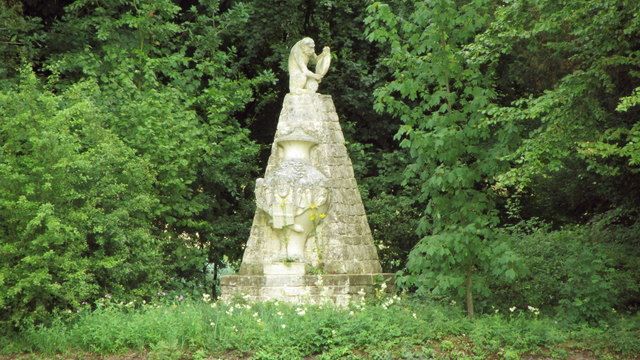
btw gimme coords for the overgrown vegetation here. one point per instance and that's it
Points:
(495, 145)
(389, 328)
(510, 112)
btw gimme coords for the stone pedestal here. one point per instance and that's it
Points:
(335, 289)
(320, 208)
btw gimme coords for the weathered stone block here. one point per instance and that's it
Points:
(284, 269)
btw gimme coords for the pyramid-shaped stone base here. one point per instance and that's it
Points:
(337, 259)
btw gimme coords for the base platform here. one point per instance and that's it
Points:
(336, 289)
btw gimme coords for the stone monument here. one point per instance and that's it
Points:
(310, 241)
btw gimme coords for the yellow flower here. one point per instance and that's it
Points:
(323, 215)
(313, 206)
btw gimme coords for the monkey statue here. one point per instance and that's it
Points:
(301, 79)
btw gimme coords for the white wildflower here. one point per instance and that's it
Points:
(512, 309)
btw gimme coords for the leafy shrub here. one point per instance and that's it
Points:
(75, 206)
(582, 272)
(129, 169)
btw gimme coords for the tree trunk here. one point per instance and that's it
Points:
(214, 293)
(469, 292)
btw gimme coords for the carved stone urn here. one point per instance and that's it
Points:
(294, 195)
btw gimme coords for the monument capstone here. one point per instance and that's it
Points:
(310, 241)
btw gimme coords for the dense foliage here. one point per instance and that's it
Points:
(126, 172)
(395, 328)
(511, 112)
(76, 205)
(495, 145)
(442, 101)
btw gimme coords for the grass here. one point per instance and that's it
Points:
(394, 328)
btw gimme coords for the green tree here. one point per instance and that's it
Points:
(75, 206)
(572, 92)
(19, 36)
(443, 100)
(172, 92)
